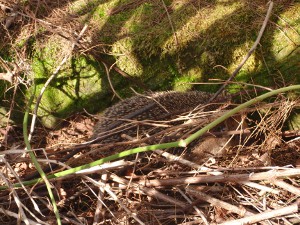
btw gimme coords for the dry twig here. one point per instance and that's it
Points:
(235, 72)
(288, 210)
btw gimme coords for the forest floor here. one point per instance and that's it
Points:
(245, 171)
(253, 181)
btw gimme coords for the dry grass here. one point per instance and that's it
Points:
(257, 174)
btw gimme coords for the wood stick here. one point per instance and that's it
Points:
(265, 215)
(270, 175)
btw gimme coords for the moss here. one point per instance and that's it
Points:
(3, 117)
(158, 46)
(194, 41)
(199, 22)
(73, 88)
(126, 60)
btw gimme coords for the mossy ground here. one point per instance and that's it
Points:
(196, 41)
(78, 85)
(165, 44)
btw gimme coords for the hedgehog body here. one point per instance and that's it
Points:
(157, 106)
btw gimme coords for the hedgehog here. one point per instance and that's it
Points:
(156, 106)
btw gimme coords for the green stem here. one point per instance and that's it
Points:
(34, 160)
(234, 111)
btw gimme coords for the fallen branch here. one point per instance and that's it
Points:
(17, 216)
(269, 176)
(150, 192)
(287, 187)
(294, 208)
(218, 203)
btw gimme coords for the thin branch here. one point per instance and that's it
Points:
(287, 187)
(19, 180)
(50, 79)
(217, 202)
(149, 191)
(200, 212)
(115, 197)
(100, 198)
(170, 21)
(260, 187)
(175, 158)
(109, 80)
(23, 216)
(16, 216)
(248, 54)
(265, 215)
(237, 178)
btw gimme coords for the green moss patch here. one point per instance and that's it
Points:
(76, 86)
